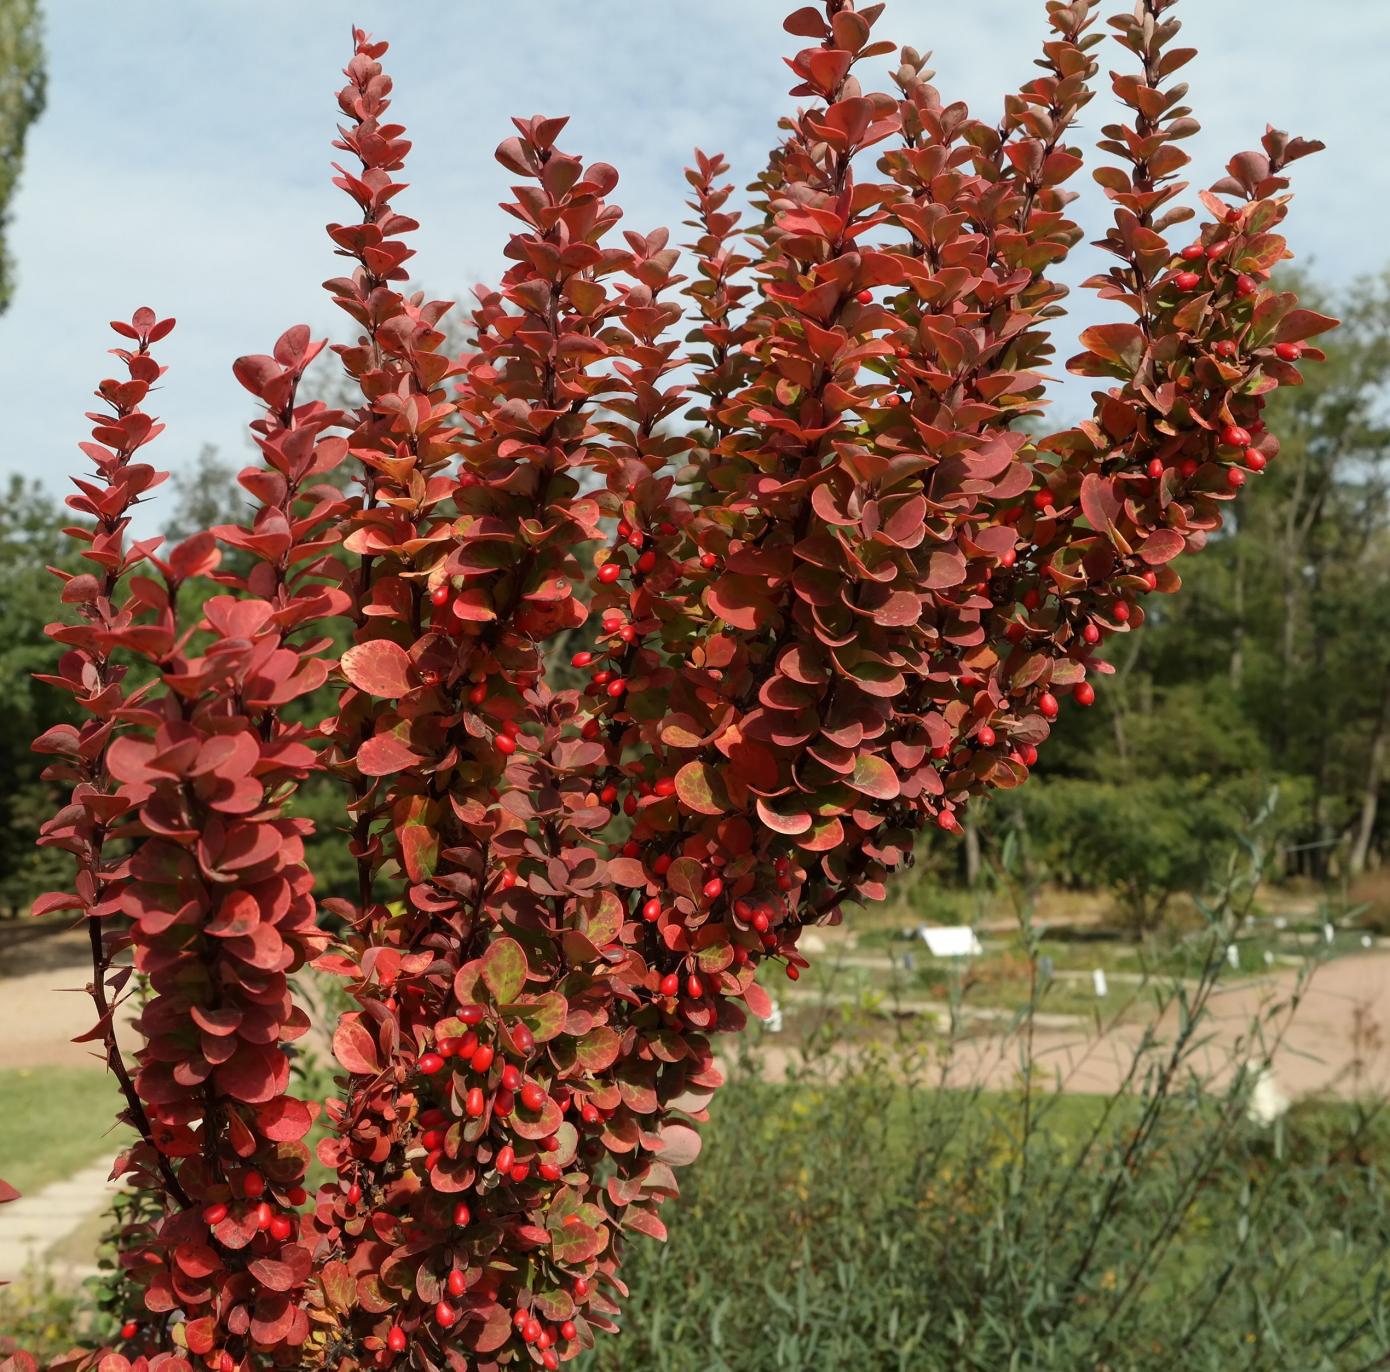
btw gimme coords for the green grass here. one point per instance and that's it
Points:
(53, 1122)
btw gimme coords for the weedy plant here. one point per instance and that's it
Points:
(850, 594)
(903, 1196)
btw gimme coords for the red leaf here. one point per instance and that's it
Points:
(1161, 546)
(379, 667)
(355, 1047)
(385, 753)
(285, 1120)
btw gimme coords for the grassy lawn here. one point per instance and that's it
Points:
(54, 1121)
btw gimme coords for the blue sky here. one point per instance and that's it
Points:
(183, 159)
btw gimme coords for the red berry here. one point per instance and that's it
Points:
(532, 1097)
(550, 1360)
(581, 1288)
(354, 1194)
(610, 572)
(264, 1215)
(1029, 754)
(457, 1283)
(471, 1014)
(252, 1185)
(430, 1063)
(1120, 611)
(129, 1329)
(760, 921)
(214, 1214)
(281, 1228)
(662, 864)
(1044, 500)
(864, 297)
(694, 987)
(1091, 634)
(670, 984)
(525, 1043)
(549, 1171)
(616, 687)
(985, 736)
(440, 594)
(1187, 281)
(651, 911)
(296, 1195)
(1150, 579)
(1047, 704)
(511, 1078)
(1233, 436)
(665, 786)
(482, 1057)
(647, 561)
(445, 1316)
(708, 561)
(1187, 468)
(505, 744)
(568, 1331)
(714, 888)
(1192, 252)
(1246, 286)
(474, 1103)
(396, 1340)
(1226, 347)
(462, 1214)
(581, 659)
(1084, 693)
(1288, 352)
(1255, 460)
(506, 1158)
(1235, 478)
(1155, 468)
(793, 971)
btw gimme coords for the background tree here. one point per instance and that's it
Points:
(21, 102)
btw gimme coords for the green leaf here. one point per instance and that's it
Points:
(504, 969)
(573, 1242)
(701, 790)
(544, 1017)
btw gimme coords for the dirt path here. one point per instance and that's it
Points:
(42, 1011)
(1337, 1040)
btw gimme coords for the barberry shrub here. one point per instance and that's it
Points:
(826, 582)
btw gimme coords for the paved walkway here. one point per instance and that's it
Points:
(32, 1225)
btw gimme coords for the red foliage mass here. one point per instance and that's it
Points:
(819, 619)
